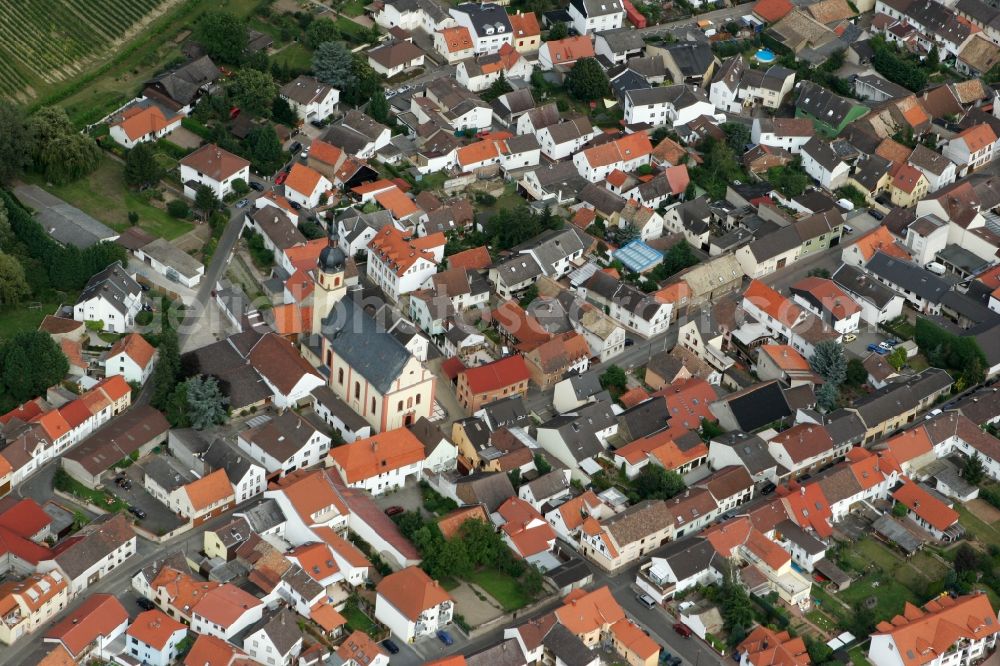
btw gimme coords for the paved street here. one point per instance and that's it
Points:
(718, 16)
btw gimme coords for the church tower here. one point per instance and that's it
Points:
(330, 284)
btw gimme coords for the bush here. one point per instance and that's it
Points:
(178, 208)
(240, 186)
(94, 325)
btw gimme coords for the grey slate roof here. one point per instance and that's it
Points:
(264, 515)
(579, 432)
(901, 396)
(113, 284)
(689, 556)
(586, 385)
(486, 15)
(692, 58)
(283, 436)
(907, 275)
(565, 646)
(505, 653)
(367, 349)
(751, 450)
(592, 8)
(821, 151)
(548, 485)
(823, 104)
(604, 201)
(224, 455)
(623, 40)
(506, 413)
(281, 626)
(516, 269)
(182, 84)
(854, 281)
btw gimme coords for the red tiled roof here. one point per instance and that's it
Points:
(135, 347)
(772, 10)
(476, 258)
(365, 458)
(772, 303)
(938, 514)
(99, 615)
(411, 592)
(497, 375)
(154, 628)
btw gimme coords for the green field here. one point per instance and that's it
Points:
(506, 590)
(27, 316)
(294, 56)
(104, 196)
(49, 42)
(112, 76)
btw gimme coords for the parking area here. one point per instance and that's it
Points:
(430, 648)
(408, 497)
(864, 337)
(159, 519)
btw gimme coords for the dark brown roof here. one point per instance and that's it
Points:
(120, 437)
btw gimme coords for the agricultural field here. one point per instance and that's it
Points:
(49, 42)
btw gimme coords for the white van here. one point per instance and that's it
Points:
(936, 268)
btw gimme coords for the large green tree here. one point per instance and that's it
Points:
(207, 406)
(13, 285)
(378, 107)
(205, 200)
(829, 362)
(15, 141)
(59, 152)
(333, 63)
(141, 168)
(223, 36)
(499, 87)
(265, 149)
(31, 362)
(253, 91)
(655, 482)
(588, 81)
(614, 378)
(167, 370)
(321, 31)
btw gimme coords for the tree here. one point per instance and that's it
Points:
(378, 107)
(711, 429)
(533, 583)
(515, 477)
(178, 208)
(819, 272)
(13, 285)
(69, 158)
(933, 58)
(614, 378)
(827, 396)
(966, 559)
(281, 112)
(240, 186)
(530, 294)
(737, 136)
(141, 167)
(321, 31)
(791, 180)
(176, 408)
(655, 482)
(133, 218)
(897, 358)
(899, 510)
(587, 80)
(253, 91)
(167, 370)
(223, 36)
(829, 362)
(15, 141)
(333, 64)
(206, 404)
(973, 471)
(205, 200)
(856, 373)
(511, 226)
(265, 149)
(558, 31)
(542, 465)
(736, 607)
(46, 125)
(499, 87)
(31, 362)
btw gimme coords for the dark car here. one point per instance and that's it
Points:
(318, 124)
(145, 604)
(143, 286)
(256, 187)
(629, 342)
(296, 205)
(877, 214)
(137, 512)
(768, 488)
(394, 510)
(296, 147)
(391, 646)
(445, 637)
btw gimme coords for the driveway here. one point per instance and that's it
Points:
(407, 497)
(159, 519)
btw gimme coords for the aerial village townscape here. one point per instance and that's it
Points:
(442, 332)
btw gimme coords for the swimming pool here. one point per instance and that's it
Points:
(765, 56)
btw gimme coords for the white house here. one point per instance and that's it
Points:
(112, 297)
(131, 357)
(824, 165)
(736, 86)
(971, 149)
(788, 133)
(666, 105)
(247, 477)
(284, 443)
(596, 15)
(562, 139)
(153, 637)
(487, 23)
(625, 154)
(225, 611)
(410, 15)
(478, 74)
(215, 168)
(306, 186)
(628, 305)
(381, 463)
(412, 605)
(681, 565)
(938, 169)
(455, 44)
(399, 263)
(395, 57)
(310, 98)
(104, 545)
(143, 124)
(276, 639)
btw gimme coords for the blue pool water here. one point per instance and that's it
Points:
(765, 56)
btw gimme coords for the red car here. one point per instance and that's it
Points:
(683, 629)
(281, 178)
(394, 511)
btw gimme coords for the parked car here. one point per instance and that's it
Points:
(394, 510)
(629, 342)
(145, 604)
(877, 349)
(850, 337)
(242, 203)
(848, 229)
(318, 124)
(296, 205)
(885, 345)
(391, 646)
(892, 342)
(137, 512)
(445, 637)
(296, 147)
(877, 214)
(682, 629)
(646, 600)
(281, 178)
(143, 286)
(665, 656)
(256, 187)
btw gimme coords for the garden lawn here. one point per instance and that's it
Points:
(505, 589)
(17, 318)
(357, 619)
(352, 31)
(858, 656)
(98, 498)
(890, 594)
(984, 532)
(353, 8)
(294, 56)
(104, 196)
